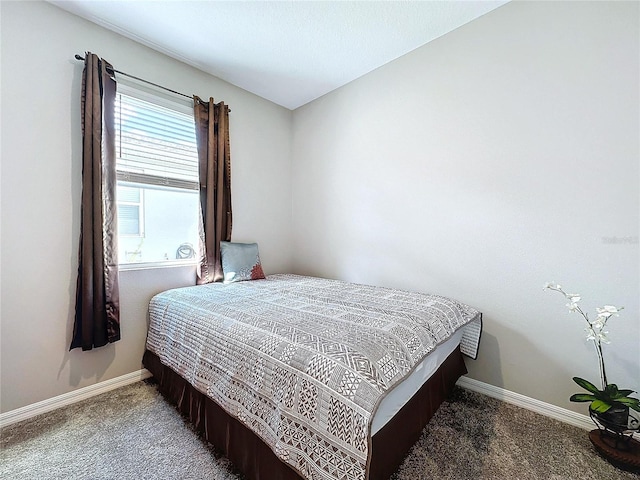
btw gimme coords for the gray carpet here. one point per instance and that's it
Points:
(132, 433)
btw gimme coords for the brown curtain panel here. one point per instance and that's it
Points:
(212, 134)
(97, 320)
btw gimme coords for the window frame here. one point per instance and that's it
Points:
(182, 105)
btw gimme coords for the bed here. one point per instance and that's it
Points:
(295, 377)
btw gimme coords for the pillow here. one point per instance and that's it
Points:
(240, 261)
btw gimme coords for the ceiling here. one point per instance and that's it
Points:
(289, 52)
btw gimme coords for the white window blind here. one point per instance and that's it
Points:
(155, 145)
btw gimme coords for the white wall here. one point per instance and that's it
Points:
(499, 157)
(40, 182)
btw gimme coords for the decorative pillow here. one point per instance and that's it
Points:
(240, 261)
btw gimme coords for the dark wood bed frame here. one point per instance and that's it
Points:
(255, 460)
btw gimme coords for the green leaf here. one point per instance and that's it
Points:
(590, 387)
(625, 393)
(629, 402)
(582, 397)
(611, 390)
(599, 406)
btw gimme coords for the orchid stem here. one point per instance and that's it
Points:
(603, 373)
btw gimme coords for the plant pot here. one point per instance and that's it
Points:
(615, 419)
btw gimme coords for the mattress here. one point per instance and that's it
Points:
(405, 390)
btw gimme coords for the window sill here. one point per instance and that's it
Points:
(127, 267)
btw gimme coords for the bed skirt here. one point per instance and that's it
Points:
(255, 460)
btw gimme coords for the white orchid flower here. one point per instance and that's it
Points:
(599, 337)
(572, 306)
(607, 311)
(573, 297)
(602, 337)
(591, 334)
(599, 322)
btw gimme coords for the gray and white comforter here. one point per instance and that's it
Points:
(302, 361)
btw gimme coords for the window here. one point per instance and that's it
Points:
(157, 171)
(130, 220)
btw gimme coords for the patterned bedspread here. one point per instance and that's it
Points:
(302, 361)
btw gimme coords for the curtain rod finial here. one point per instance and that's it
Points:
(78, 57)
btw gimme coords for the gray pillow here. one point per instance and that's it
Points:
(240, 261)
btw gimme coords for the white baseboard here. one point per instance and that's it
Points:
(65, 399)
(548, 410)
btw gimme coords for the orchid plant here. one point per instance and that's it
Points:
(601, 400)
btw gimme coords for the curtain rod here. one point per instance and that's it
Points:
(190, 97)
